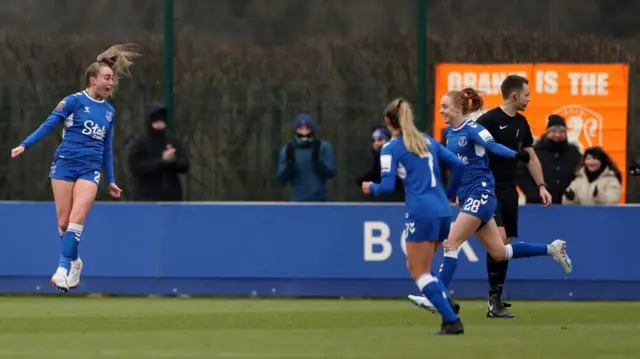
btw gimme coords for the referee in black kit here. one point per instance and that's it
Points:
(511, 129)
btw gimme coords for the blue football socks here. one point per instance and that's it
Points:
(70, 242)
(431, 288)
(448, 267)
(524, 250)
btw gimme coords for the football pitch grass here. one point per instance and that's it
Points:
(88, 328)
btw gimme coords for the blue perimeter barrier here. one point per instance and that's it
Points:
(285, 249)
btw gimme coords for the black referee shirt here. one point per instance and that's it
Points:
(512, 132)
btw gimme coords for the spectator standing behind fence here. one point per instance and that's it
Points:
(156, 159)
(597, 182)
(559, 160)
(379, 137)
(307, 162)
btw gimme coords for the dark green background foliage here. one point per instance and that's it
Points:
(244, 68)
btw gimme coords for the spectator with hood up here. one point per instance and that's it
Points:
(559, 159)
(307, 162)
(380, 135)
(156, 159)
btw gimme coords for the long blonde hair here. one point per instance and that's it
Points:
(401, 118)
(119, 58)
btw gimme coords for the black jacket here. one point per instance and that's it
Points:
(559, 164)
(155, 179)
(373, 175)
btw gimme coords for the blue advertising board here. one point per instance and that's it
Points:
(305, 250)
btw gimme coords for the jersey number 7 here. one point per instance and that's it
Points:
(433, 175)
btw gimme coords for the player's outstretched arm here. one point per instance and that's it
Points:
(59, 114)
(43, 131)
(482, 137)
(388, 173)
(107, 156)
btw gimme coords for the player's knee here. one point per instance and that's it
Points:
(498, 254)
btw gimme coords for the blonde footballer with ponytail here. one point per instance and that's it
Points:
(402, 121)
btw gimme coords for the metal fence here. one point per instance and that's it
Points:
(244, 68)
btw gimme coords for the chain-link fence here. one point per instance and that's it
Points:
(244, 68)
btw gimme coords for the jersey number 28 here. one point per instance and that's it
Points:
(471, 205)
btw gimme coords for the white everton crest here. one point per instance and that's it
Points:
(462, 141)
(109, 116)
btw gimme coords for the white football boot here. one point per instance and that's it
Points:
(59, 280)
(422, 302)
(74, 273)
(558, 250)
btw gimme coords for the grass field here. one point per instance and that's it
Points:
(68, 327)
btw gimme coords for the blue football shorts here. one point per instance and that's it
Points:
(71, 171)
(481, 204)
(427, 229)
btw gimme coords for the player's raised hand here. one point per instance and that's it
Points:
(17, 151)
(114, 191)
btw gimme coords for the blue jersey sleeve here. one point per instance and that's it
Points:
(388, 172)
(59, 114)
(482, 137)
(107, 156)
(456, 166)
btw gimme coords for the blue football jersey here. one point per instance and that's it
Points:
(425, 196)
(470, 142)
(87, 135)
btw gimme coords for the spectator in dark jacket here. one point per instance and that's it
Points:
(559, 159)
(307, 162)
(156, 159)
(380, 135)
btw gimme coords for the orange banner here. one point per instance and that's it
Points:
(591, 97)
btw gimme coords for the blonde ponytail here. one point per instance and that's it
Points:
(401, 117)
(119, 58)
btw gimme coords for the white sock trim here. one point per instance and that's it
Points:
(509, 250)
(60, 231)
(451, 252)
(424, 280)
(74, 227)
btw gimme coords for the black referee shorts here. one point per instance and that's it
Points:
(507, 210)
